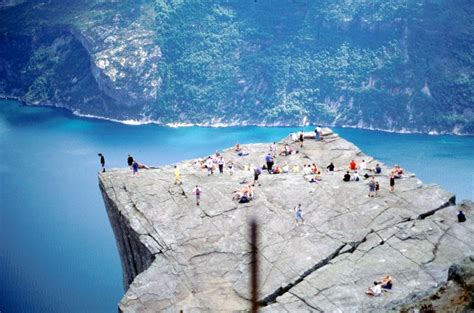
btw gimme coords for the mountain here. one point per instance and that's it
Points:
(402, 66)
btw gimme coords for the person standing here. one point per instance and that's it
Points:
(197, 191)
(256, 173)
(177, 176)
(102, 162)
(130, 162)
(220, 163)
(210, 166)
(392, 183)
(372, 187)
(301, 139)
(269, 161)
(298, 214)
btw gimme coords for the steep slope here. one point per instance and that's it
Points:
(403, 66)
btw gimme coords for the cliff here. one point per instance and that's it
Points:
(180, 256)
(398, 66)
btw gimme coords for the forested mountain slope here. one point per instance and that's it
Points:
(395, 65)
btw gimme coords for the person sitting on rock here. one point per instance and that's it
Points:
(286, 150)
(347, 177)
(375, 290)
(363, 165)
(318, 176)
(237, 147)
(378, 169)
(330, 167)
(352, 165)
(356, 176)
(461, 217)
(314, 168)
(386, 282)
(285, 168)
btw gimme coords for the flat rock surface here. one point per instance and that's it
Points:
(348, 239)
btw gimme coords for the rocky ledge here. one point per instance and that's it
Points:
(180, 256)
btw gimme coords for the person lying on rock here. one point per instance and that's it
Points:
(375, 290)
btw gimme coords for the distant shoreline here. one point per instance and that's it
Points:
(134, 122)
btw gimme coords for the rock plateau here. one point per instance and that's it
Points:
(179, 256)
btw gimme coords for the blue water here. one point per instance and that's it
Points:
(57, 251)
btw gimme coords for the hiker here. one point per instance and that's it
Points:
(220, 163)
(298, 213)
(461, 217)
(352, 165)
(378, 169)
(256, 173)
(319, 133)
(197, 191)
(347, 177)
(330, 167)
(392, 183)
(372, 187)
(177, 176)
(130, 162)
(301, 138)
(102, 162)
(363, 165)
(397, 171)
(210, 166)
(135, 168)
(375, 290)
(273, 149)
(230, 165)
(269, 161)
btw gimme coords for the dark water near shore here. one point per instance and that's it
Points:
(57, 251)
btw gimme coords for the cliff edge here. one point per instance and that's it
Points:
(180, 256)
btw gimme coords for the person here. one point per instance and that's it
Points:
(318, 176)
(330, 167)
(461, 217)
(197, 191)
(392, 182)
(378, 169)
(375, 290)
(314, 168)
(301, 137)
(269, 161)
(377, 187)
(177, 180)
(130, 161)
(386, 282)
(397, 171)
(347, 177)
(352, 165)
(256, 173)
(372, 187)
(135, 168)
(296, 168)
(102, 162)
(320, 132)
(316, 134)
(230, 164)
(237, 147)
(220, 163)
(356, 176)
(285, 168)
(363, 165)
(298, 213)
(210, 166)
(273, 149)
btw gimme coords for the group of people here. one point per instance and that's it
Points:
(383, 284)
(352, 174)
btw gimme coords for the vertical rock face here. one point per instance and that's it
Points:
(180, 256)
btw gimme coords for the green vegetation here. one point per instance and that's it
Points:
(384, 64)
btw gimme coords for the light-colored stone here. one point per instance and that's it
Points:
(195, 258)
